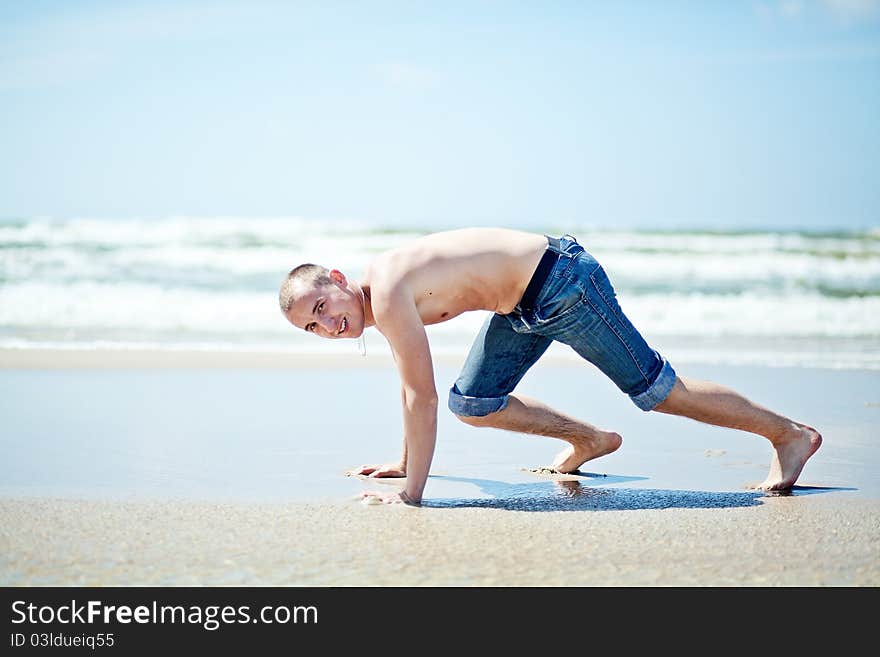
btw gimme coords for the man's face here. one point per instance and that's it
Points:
(333, 310)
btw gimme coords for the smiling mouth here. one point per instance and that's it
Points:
(343, 326)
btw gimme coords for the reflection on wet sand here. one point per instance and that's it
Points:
(569, 494)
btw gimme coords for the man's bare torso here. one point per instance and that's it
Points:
(456, 271)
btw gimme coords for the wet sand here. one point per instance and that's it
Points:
(187, 470)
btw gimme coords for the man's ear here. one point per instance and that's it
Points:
(337, 277)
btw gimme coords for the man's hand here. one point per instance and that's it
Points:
(377, 471)
(399, 497)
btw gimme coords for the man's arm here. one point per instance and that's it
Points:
(398, 320)
(404, 455)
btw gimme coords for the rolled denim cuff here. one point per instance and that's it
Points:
(658, 391)
(474, 406)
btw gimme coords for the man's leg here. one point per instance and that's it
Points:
(481, 396)
(603, 335)
(527, 415)
(793, 442)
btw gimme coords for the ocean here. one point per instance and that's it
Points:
(783, 298)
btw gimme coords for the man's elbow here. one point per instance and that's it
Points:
(421, 400)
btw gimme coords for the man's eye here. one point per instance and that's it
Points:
(320, 306)
(310, 328)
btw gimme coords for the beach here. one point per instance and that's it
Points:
(175, 468)
(776, 542)
(165, 420)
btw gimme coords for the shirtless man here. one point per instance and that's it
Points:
(539, 289)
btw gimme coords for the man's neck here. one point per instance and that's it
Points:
(368, 307)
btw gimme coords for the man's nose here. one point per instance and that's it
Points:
(328, 324)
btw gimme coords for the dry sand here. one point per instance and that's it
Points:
(784, 541)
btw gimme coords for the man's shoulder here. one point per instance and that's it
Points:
(388, 271)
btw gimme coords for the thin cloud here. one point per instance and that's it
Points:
(791, 7)
(850, 11)
(844, 11)
(855, 53)
(52, 51)
(785, 8)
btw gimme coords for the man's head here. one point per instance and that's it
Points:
(322, 301)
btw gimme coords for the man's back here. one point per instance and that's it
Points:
(452, 272)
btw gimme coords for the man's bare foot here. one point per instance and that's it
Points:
(789, 456)
(581, 451)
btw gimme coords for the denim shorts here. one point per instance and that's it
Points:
(576, 305)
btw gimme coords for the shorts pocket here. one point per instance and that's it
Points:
(563, 298)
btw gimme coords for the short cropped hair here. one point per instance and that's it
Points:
(306, 273)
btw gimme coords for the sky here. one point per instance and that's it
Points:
(720, 115)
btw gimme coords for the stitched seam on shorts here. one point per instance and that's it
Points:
(576, 282)
(573, 259)
(470, 403)
(601, 294)
(561, 273)
(552, 321)
(615, 331)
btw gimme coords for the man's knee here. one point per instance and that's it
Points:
(479, 420)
